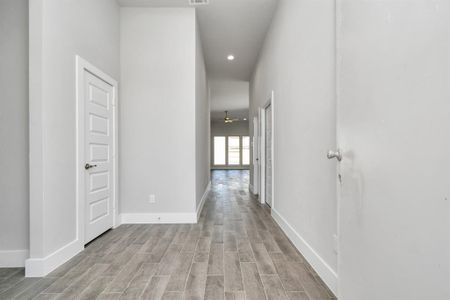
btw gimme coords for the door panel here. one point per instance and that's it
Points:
(98, 148)
(98, 125)
(394, 130)
(99, 153)
(268, 153)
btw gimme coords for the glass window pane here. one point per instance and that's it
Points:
(234, 151)
(245, 150)
(219, 150)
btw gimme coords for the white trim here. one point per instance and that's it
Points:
(262, 149)
(13, 258)
(82, 66)
(162, 218)
(203, 200)
(326, 273)
(40, 267)
(256, 156)
(251, 188)
(262, 157)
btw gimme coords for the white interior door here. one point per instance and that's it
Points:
(99, 139)
(394, 130)
(268, 155)
(255, 156)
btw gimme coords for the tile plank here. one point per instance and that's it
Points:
(196, 283)
(273, 287)
(262, 259)
(253, 287)
(155, 289)
(214, 287)
(215, 262)
(179, 276)
(232, 271)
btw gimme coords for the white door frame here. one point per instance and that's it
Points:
(256, 156)
(82, 66)
(262, 138)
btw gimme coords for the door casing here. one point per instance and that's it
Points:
(256, 156)
(262, 147)
(81, 66)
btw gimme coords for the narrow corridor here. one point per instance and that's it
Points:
(236, 251)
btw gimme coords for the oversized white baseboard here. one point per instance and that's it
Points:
(13, 258)
(328, 275)
(159, 218)
(40, 267)
(203, 200)
(166, 218)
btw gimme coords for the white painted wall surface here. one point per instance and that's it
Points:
(157, 110)
(235, 128)
(202, 121)
(59, 30)
(14, 220)
(297, 62)
(394, 129)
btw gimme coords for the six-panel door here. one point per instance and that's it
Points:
(99, 138)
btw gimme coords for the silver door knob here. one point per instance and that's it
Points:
(89, 166)
(334, 154)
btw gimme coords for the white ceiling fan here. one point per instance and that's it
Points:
(229, 120)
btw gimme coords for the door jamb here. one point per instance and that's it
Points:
(256, 156)
(81, 66)
(262, 138)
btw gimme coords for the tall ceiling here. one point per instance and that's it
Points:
(235, 27)
(231, 96)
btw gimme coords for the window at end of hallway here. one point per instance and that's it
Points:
(234, 150)
(219, 151)
(246, 150)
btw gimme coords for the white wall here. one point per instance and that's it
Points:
(59, 30)
(202, 122)
(160, 98)
(14, 190)
(297, 62)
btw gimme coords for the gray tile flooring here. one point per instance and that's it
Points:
(236, 251)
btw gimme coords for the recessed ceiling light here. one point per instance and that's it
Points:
(245, 119)
(230, 57)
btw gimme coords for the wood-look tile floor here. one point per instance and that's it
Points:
(236, 251)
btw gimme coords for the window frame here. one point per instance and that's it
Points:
(241, 151)
(239, 139)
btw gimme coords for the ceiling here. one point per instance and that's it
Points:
(235, 27)
(230, 95)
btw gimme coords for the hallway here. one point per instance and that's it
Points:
(236, 251)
